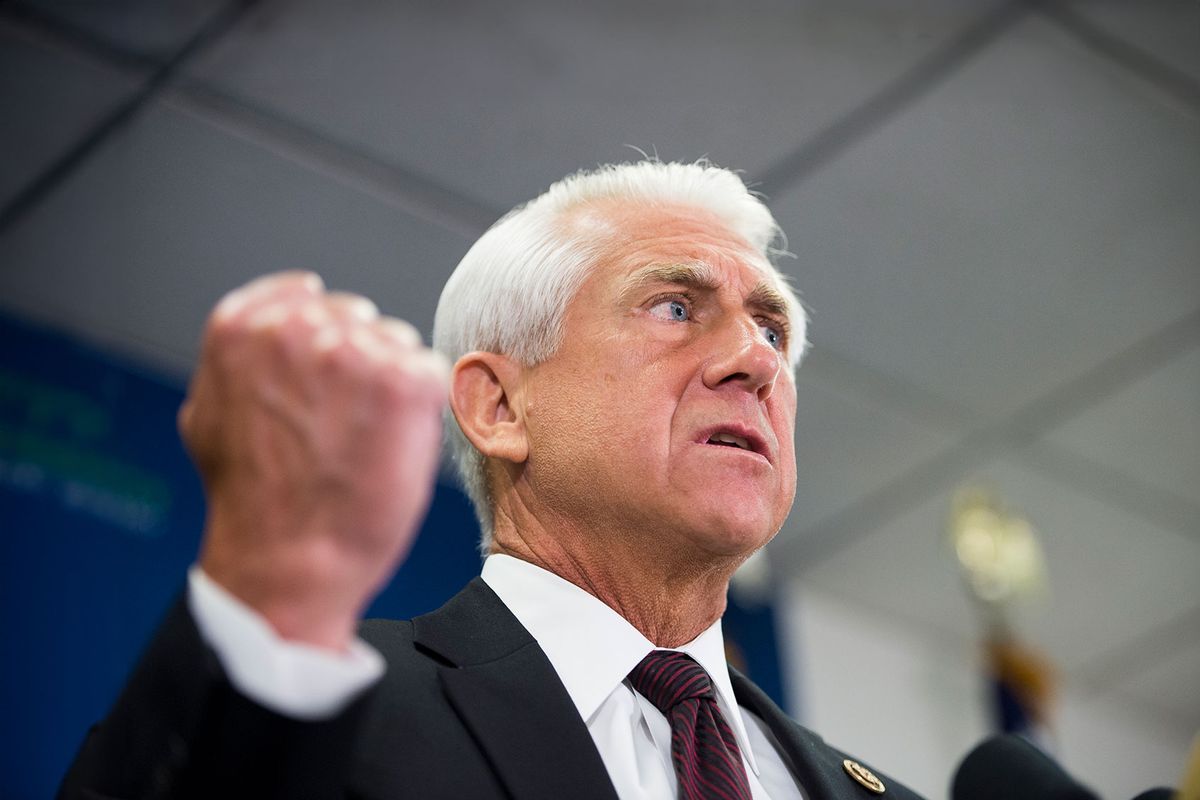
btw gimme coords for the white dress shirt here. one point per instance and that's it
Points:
(590, 646)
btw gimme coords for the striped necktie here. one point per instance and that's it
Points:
(705, 754)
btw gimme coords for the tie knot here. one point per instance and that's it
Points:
(667, 678)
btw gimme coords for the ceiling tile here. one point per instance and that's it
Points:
(173, 213)
(1112, 576)
(50, 101)
(156, 28)
(1169, 683)
(1008, 232)
(1149, 430)
(1166, 29)
(498, 100)
(848, 445)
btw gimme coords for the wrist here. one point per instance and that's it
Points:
(298, 605)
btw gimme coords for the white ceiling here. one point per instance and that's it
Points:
(993, 210)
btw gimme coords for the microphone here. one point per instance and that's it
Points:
(1010, 768)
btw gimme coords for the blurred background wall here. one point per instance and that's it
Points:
(994, 212)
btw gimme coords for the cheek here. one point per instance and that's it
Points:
(616, 399)
(788, 471)
(578, 414)
(783, 418)
(564, 412)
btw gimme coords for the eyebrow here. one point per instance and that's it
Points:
(700, 276)
(767, 298)
(697, 275)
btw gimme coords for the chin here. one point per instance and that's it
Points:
(736, 529)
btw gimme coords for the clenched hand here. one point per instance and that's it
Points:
(315, 424)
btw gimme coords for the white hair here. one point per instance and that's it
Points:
(511, 290)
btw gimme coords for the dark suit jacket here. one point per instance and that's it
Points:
(469, 708)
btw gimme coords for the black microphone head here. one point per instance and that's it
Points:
(1010, 768)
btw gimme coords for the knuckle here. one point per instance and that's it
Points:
(270, 317)
(326, 340)
(304, 279)
(339, 357)
(354, 306)
(367, 345)
(265, 291)
(315, 315)
(400, 332)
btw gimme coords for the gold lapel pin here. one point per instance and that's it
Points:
(864, 776)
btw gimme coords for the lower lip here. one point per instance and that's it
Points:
(736, 451)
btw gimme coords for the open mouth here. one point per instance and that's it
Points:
(736, 437)
(729, 440)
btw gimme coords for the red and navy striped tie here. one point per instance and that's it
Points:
(706, 756)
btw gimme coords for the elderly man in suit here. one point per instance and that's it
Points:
(618, 356)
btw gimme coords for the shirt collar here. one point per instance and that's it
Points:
(591, 646)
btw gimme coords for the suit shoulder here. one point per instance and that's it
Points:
(832, 761)
(893, 788)
(388, 636)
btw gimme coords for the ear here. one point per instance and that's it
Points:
(483, 387)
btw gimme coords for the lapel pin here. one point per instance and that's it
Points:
(864, 776)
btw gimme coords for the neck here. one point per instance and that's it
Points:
(670, 596)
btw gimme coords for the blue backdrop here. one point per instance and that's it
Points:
(100, 516)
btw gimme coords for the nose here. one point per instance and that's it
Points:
(743, 358)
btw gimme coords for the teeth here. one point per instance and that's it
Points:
(729, 438)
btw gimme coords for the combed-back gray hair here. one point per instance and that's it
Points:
(511, 290)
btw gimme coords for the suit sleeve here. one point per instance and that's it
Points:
(292, 678)
(181, 730)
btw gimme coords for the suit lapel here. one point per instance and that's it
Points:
(507, 694)
(815, 765)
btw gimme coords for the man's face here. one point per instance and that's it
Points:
(667, 413)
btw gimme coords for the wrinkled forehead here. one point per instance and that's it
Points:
(710, 274)
(635, 241)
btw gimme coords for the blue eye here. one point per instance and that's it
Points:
(673, 310)
(773, 335)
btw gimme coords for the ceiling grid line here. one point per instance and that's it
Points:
(419, 196)
(1019, 429)
(1141, 499)
(844, 132)
(73, 37)
(919, 405)
(1036, 418)
(1124, 54)
(66, 164)
(916, 403)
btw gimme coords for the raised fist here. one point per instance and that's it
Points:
(315, 424)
